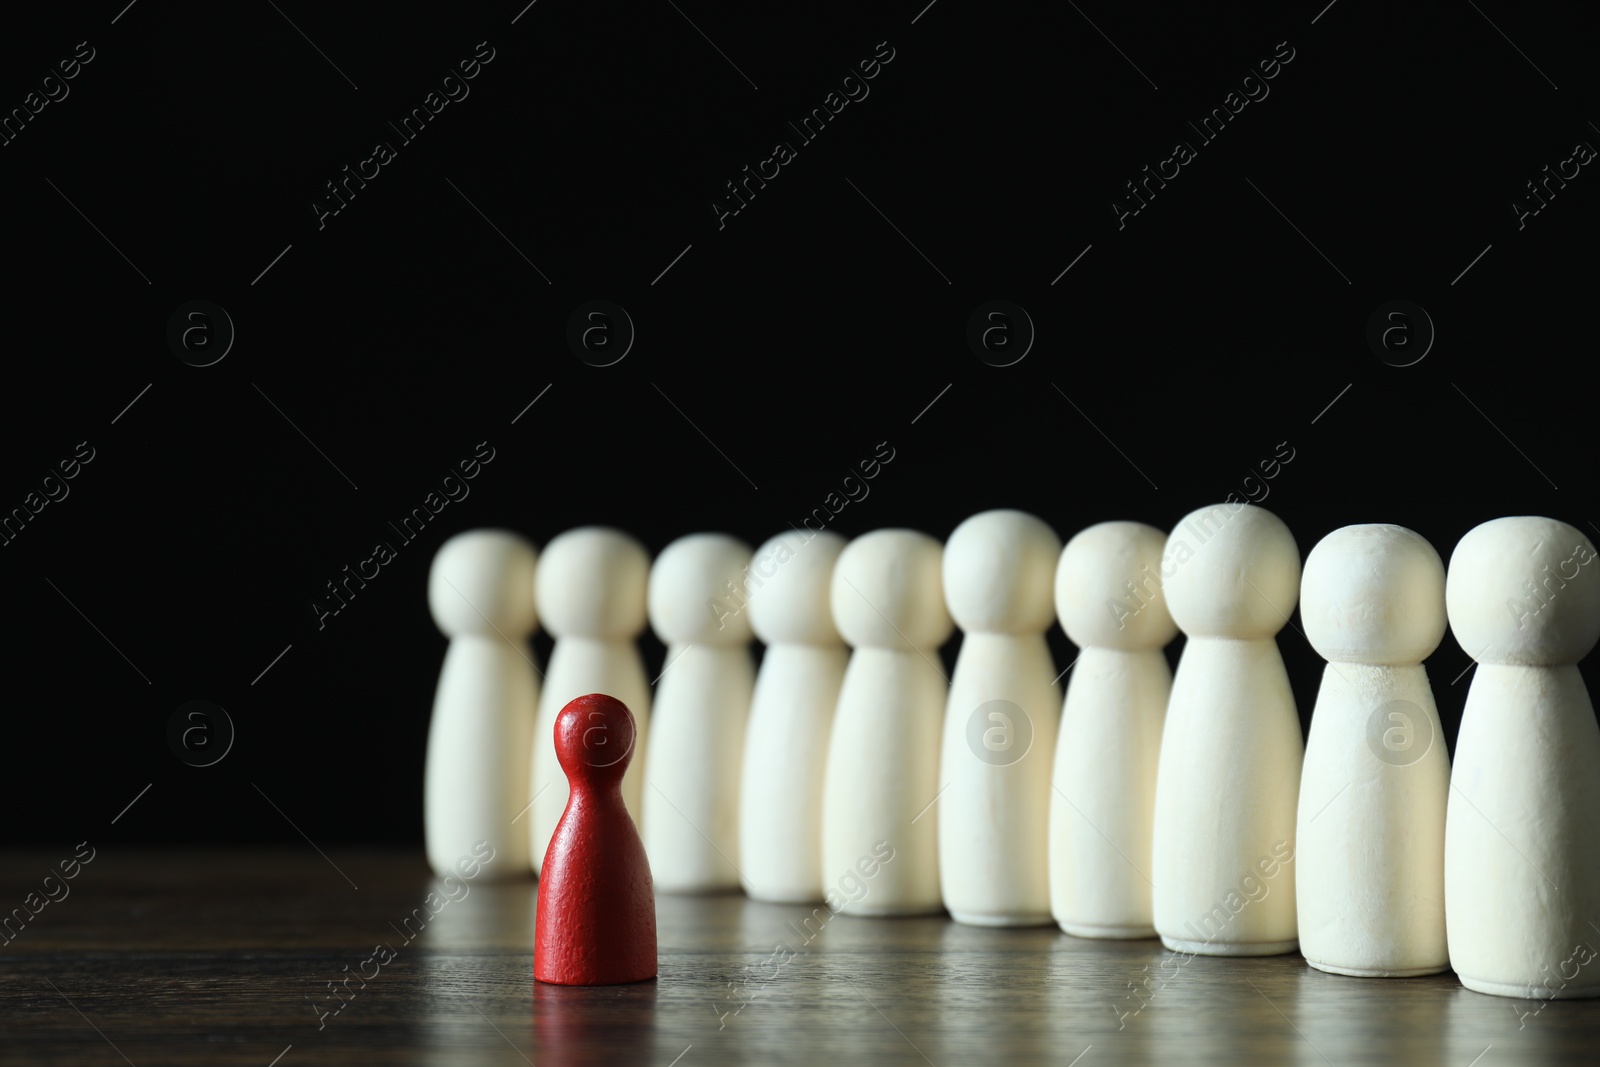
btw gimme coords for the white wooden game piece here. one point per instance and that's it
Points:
(791, 716)
(1102, 806)
(1000, 722)
(692, 763)
(1522, 831)
(476, 770)
(591, 595)
(1369, 853)
(882, 774)
(1231, 748)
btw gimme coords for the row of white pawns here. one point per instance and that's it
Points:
(1147, 804)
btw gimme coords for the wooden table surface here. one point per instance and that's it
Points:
(223, 956)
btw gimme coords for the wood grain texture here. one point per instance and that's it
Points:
(216, 958)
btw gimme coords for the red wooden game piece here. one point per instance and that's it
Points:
(596, 919)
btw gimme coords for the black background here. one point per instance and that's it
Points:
(415, 324)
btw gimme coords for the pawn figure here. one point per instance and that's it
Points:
(1231, 749)
(791, 714)
(591, 597)
(1522, 830)
(1000, 722)
(475, 773)
(1369, 860)
(596, 915)
(1102, 809)
(692, 763)
(882, 774)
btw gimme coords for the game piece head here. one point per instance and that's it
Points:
(595, 737)
(1231, 570)
(481, 582)
(1524, 590)
(788, 588)
(997, 570)
(888, 592)
(1373, 594)
(697, 591)
(1109, 588)
(591, 583)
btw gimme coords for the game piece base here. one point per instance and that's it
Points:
(699, 889)
(1109, 933)
(1508, 989)
(1226, 948)
(608, 981)
(970, 919)
(1379, 972)
(890, 911)
(780, 896)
